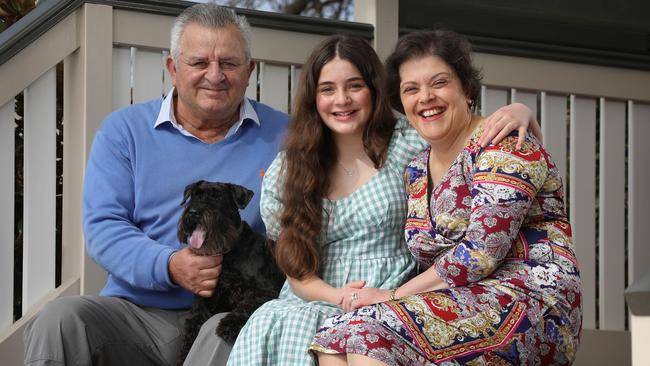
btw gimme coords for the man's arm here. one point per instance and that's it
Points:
(112, 239)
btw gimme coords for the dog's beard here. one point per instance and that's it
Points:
(209, 234)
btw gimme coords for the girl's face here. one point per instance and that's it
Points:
(433, 98)
(343, 99)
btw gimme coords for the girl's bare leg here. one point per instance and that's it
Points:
(354, 359)
(332, 360)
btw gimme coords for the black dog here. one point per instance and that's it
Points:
(211, 225)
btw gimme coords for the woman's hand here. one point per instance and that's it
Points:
(426, 281)
(369, 296)
(348, 292)
(504, 120)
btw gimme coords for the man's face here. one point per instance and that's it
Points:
(211, 75)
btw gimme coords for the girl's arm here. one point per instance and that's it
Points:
(313, 288)
(515, 116)
(426, 281)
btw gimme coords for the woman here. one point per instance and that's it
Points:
(499, 282)
(334, 201)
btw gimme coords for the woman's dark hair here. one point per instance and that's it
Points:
(310, 152)
(453, 48)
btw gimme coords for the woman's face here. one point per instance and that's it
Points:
(343, 99)
(433, 98)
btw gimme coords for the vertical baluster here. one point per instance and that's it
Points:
(554, 129)
(121, 77)
(612, 215)
(492, 99)
(296, 71)
(40, 189)
(529, 99)
(147, 77)
(274, 86)
(7, 156)
(638, 193)
(583, 200)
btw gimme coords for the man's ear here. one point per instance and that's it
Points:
(251, 68)
(241, 195)
(171, 68)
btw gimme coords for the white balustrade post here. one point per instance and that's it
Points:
(39, 216)
(7, 155)
(384, 16)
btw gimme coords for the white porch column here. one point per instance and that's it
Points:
(384, 15)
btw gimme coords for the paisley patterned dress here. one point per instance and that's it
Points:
(496, 231)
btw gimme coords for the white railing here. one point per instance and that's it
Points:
(570, 125)
(140, 75)
(596, 133)
(112, 57)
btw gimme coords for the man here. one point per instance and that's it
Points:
(142, 158)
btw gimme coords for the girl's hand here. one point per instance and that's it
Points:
(346, 294)
(504, 120)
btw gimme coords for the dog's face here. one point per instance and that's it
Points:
(210, 223)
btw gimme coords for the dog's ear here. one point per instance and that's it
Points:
(190, 189)
(241, 195)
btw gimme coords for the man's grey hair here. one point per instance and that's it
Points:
(209, 15)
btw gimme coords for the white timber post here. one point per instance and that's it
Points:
(91, 83)
(384, 16)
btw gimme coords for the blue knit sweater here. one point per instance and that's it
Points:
(134, 186)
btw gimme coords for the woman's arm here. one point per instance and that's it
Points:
(313, 288)
(504, 186)
(426, 281)
(515, 116)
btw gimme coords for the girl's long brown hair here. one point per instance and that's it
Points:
(310, 152)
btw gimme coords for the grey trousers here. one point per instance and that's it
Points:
(94, 330)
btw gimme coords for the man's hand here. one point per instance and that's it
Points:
(195, 273)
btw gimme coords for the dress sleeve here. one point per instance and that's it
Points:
(405, 144)
(270, 204)
(504, 183)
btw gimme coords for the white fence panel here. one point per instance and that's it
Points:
(582, 202)
(121, 77)
(524, 97)
(7, 156)
(274, 86)
(39, 189)
(147, 75)
(492, 99)
(296, 72)
(612, 215)
(638, 193)
(554, 129)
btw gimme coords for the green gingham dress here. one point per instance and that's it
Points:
(363, 239)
